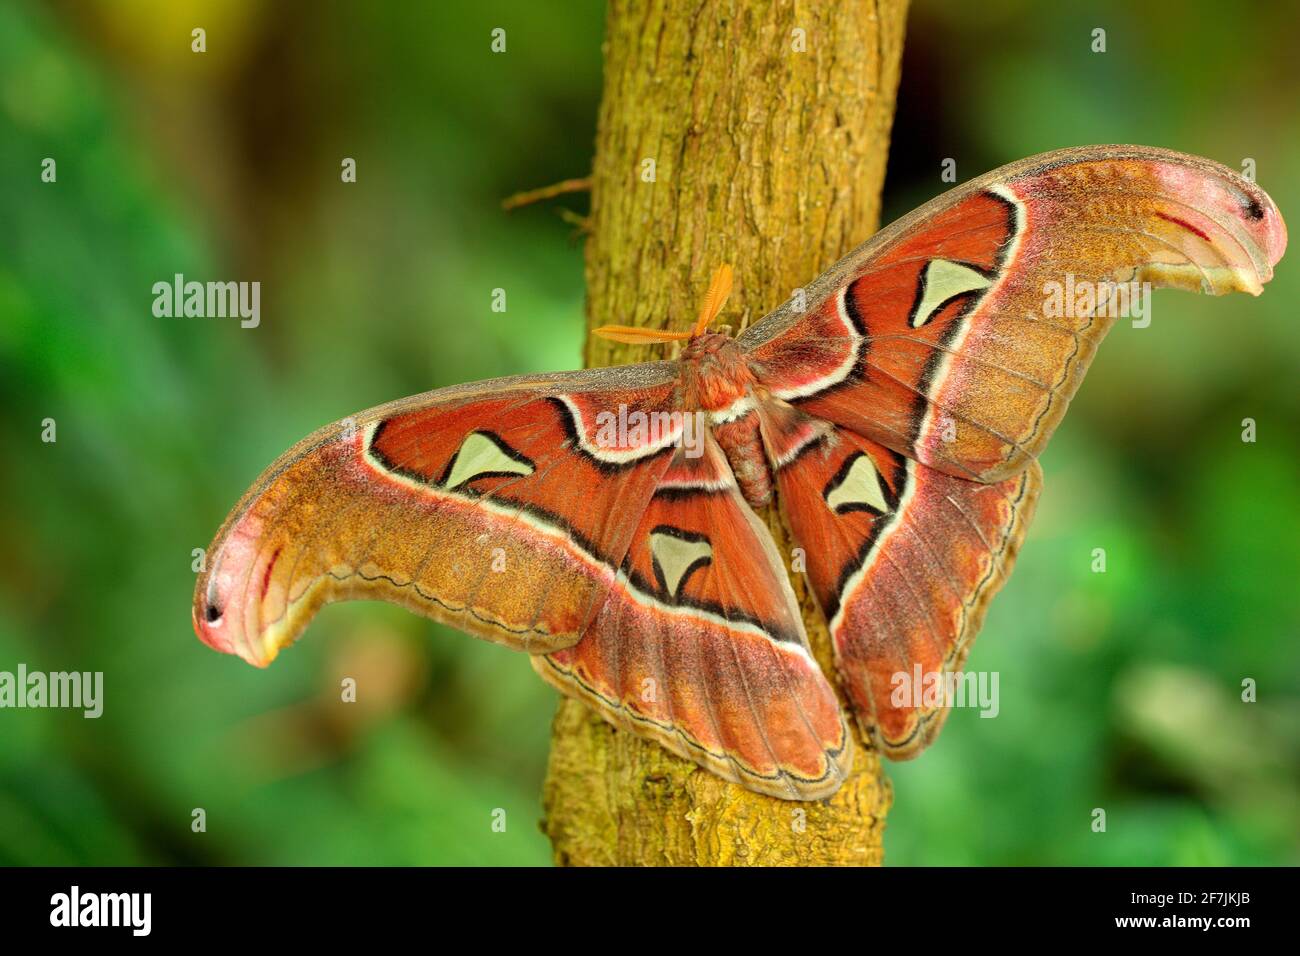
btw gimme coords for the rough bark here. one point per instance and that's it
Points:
(771, 158)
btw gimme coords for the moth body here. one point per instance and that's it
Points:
(717, 381)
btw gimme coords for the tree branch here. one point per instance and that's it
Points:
(752, 132)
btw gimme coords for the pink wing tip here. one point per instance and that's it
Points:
(1234, 205)
(1274, 233)
(1264, 223)
(214, 637)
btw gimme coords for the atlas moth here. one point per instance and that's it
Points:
(895, 411)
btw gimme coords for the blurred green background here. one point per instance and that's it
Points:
(1118, 690)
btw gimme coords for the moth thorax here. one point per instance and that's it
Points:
(714, 372)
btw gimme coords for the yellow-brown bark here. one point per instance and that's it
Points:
(753, 132)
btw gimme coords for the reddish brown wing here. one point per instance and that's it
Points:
(934, 355)
(700, 645)
(511, 511)
(493, 508)
(941, 338)
(903, 560)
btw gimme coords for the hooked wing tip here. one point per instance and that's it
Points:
(224, 617)
(1265, 228)
(1274, 231)
(214, 631)
(1242, 224)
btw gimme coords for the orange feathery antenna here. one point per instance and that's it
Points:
(714, 299)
